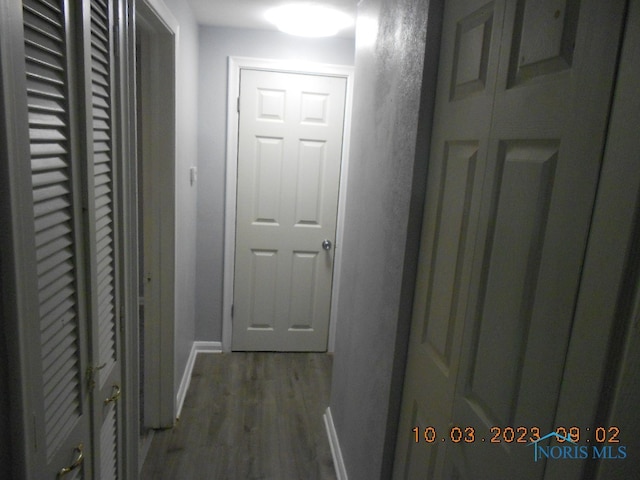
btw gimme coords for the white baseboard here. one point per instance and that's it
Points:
(336, 453)
(208, 347)
(196, 348)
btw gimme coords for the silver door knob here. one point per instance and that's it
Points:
(326, 244)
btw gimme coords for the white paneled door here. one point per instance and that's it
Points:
(289, 156)
(521, 113)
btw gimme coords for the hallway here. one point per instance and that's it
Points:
(249, 416)
(487, 271)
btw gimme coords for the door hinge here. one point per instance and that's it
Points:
(232, 311)
(238, 105)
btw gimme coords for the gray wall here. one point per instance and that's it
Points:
(391, 126)
(186, 196)
(216, 44)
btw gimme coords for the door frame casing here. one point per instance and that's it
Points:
(235, 65)
(161, 34)
(127, 234)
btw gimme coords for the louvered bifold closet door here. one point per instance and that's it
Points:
(58, 393)
(102, 221)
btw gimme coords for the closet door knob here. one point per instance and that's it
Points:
(116, 395)
(74, 465)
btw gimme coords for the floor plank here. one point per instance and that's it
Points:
(249, 416)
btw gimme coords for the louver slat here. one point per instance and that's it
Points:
(48, 105)
(103, 182)
(101, 187)
(108, 461)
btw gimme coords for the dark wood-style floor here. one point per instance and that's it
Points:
(249, 416)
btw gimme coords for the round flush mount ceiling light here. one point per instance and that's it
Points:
(308, 19)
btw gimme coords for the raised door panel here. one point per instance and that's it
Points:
(267, 175)
(452, 225)
(309, 192)
(543, 39)
(512, 268)
(304, 268)
(289, 153)
(262, 292)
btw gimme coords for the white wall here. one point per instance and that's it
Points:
(216, 45)
(186, 196)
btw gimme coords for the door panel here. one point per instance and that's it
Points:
(512, 268)
(547, 137)
(61, 412)
(459, 164)
(69, 74)
(102, 228)
(289, 154)
(466, 84)
(543, 39)
(508, 272)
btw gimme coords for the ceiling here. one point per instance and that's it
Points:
(250, 13)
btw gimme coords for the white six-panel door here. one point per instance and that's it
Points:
(289, 155)
(521, 114)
